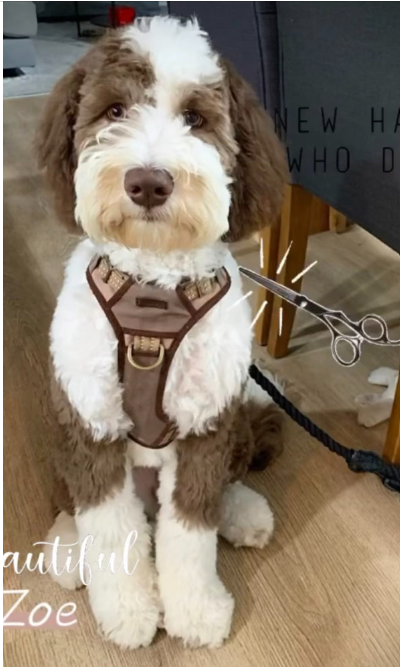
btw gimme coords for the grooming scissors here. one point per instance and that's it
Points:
(357, 331)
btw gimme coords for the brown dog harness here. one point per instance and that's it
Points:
(150, 322)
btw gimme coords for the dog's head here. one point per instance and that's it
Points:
(153, 141)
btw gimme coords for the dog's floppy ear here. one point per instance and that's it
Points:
(55, 142)
(261, 169)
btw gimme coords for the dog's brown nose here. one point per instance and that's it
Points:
(148, 187)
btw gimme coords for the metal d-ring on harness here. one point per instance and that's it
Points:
(142, 343)
(357, 460)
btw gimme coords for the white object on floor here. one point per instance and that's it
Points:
(376, 408)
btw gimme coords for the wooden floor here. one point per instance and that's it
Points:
(326, 592)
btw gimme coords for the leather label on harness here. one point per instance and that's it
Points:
(150, 322)
(151, 303)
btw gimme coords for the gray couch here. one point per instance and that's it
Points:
(19, 25)
(304, 56)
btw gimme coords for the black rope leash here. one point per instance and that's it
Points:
(357, 460)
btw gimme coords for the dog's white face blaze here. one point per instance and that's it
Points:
(154, 135)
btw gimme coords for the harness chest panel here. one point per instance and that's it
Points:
(150, 322)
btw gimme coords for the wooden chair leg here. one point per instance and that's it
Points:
(270, 241)
(294, 228)
(319, 221)
(337, 221)
(391, 450)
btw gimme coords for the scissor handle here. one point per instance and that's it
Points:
(381, 338)
(355, 345)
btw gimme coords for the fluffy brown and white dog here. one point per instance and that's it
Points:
(160, 153)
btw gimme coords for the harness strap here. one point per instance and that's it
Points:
(150, 323)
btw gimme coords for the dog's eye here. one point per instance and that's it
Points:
(192, 118)
(116, 112)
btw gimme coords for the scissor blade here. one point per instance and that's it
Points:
(282, 291)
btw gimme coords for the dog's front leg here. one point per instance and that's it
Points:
(110, 524)
(197, 607)
(122, 591)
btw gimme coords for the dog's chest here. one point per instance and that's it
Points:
(207, 371)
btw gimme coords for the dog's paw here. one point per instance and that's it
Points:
(246, 518)
(126, 608)
(199, 616)
(131, 625)
(65, 529)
